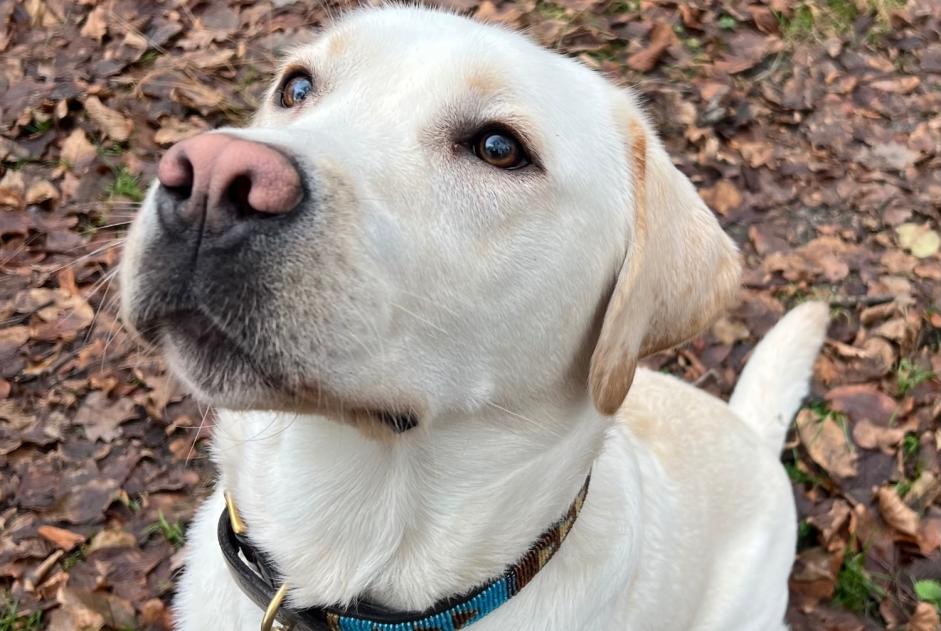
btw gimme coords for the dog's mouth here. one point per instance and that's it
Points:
(228, 375)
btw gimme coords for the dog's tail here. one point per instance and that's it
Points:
(776, 378)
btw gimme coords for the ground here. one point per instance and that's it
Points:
(811, 127)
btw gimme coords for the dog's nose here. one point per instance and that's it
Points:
(218, 180)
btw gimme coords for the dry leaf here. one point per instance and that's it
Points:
(925, 618)
(62, 538)
(661, 36)
(96, 26)
(895, 512)
(109, 121)
(722, 197)
(12, 189)
(77, 152)
(41, 191)
(102, 418)
(173, 130)
(918, 239)
(827, 444)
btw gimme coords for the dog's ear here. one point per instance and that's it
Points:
(680, 270)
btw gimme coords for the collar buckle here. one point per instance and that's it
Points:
(271, 613)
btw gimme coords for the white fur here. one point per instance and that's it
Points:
(776, 379)
(477, 296)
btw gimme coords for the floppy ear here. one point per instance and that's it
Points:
(680, 270)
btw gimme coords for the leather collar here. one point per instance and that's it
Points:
(257, 577)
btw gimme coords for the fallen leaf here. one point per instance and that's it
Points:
(102, 418)
(863, 402)
(722, 197)
(661, 36)
(868, 435)
(62, 538)
(896, 513)
(925, 618)
(111, 538)
(12, 189)
(827, 444)
(96, 25)
(77, 152)
(109, 121)
(41, 191)
(173, 130)
(918, 239)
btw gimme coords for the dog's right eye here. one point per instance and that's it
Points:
(295, 89)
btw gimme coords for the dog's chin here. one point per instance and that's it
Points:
(220, 373)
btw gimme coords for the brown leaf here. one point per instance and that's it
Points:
(925, 618)
(109, 121)
(863, 402)
(722, 197)
(896, 513)
(77, 152)
(901, 85)
(200, 97)
(868, 435)
(827, 444)
(96, 25)
(111, 538)
(62, 538)
(661, 37)
(764, 18)
(12, 189)
(41, 191)
(747, 50)
(173, 130)
(103, 418)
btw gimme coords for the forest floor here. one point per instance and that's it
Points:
(812, 128)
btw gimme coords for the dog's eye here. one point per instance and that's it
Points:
(500, 148)
(297, 88)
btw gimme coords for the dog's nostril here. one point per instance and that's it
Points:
(237, 194)
(176, 174)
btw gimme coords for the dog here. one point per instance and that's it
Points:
(417, 288)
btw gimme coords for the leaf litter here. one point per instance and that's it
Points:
(811, 127)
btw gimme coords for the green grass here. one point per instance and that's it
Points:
(806, 535)
(11, 619)
(618, 7)
(126, 185)
(172, 532)
(910, 446)
(824, 412)
(38, 127)
(827, 18)
(74, 558)
(909, 376)
(929, 591)
(550, 10)
(727, 23)
(855, 588)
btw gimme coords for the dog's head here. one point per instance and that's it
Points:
(426, 215)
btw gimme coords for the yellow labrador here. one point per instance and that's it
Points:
(417, 288)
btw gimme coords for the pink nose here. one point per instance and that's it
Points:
(219, 179)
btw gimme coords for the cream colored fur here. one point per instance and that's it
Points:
(510, 310)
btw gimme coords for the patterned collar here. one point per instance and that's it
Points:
(258, 579)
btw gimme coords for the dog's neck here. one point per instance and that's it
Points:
(431, 513)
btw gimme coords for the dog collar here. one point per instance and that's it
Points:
(259, 580)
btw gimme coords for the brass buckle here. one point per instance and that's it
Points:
(271, 613)
(238, 526)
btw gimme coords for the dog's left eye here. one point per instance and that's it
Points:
(499, 148)
(297, 88)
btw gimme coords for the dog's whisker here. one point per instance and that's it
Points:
(419, 318)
